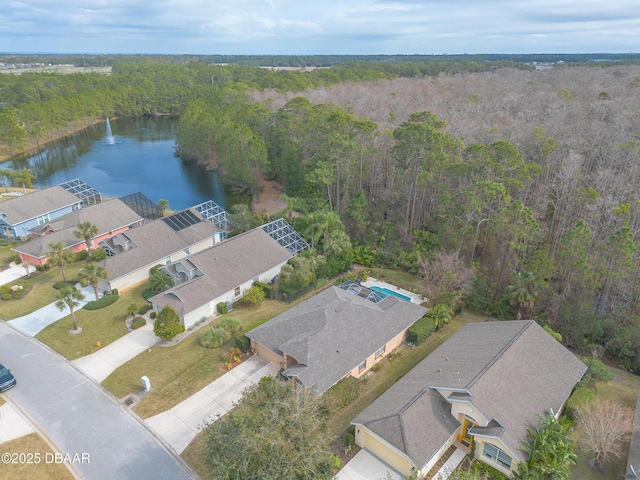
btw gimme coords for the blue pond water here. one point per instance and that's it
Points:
(137, 156)
(386, 291)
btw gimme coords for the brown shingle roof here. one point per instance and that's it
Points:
(512, 370)
(34, 204)
(107, 216)
(225, 266)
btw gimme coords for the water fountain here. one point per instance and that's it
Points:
(111, 140)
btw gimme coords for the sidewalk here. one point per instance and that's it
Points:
(35, 322)
(12, 424)
(179, 425)
(100, 364)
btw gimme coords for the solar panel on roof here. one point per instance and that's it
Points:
(181, 220)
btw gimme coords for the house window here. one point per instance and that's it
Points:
(497, 455)
(236, 291)
(43, 219)
(167, 260)
(362, 366)
(380, 351)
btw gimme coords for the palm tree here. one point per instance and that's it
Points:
(86, 231)
(59, 257)
(71, 297)
(91, 274)
(160, 281)
(523, 292)
(23, 177)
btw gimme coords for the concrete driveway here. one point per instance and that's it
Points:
(35, 322)
(183, 422)
(100, 364)
(365, 466)
(81, 418)
(14, 272)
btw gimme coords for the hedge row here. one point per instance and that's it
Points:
(421, 330)
(269, 291)
(102, 303)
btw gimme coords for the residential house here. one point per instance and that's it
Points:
(19, 215)
(221, 273)
(111, 217)
(484, 386)
(337, 333)
(133, 253)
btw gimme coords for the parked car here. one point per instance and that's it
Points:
(7, 380)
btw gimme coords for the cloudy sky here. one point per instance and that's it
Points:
(319, 26)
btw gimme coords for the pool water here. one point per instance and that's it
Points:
(386, 291)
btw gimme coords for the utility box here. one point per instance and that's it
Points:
(146, 384)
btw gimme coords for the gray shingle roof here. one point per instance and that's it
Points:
(225, 266)
(333, 332)
(34, 204)
(107, 216)
(512, 370)
(153, 242)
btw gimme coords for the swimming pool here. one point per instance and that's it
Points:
(386, 291)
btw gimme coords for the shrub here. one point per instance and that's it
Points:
(351, 436)
(98, 255)
(114, 291)
(60, 285)
(147, 293)
(153, 315)
(80, 256)
(102, 303)
(253, 296)
(598, 370)
(167, 324)
(343, 393)
(144, 309)
(222, 308)
(421, 330)
(580, 397)
(230, 325)
(269, 291)
(213, 337)
(242, 342)
(137, 323)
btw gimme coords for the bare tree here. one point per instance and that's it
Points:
(605, 425)
(445, 275)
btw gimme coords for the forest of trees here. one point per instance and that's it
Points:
(522, 183)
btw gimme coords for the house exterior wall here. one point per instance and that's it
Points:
(433, 460)
(131, 279)
(190, 318)
(460, 409)
(381, 449)
(35, 261)
(479, 449)
(22, 229)
(390, 346)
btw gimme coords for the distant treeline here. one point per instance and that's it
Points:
(87, 60)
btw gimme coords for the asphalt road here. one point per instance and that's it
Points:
(85, 422)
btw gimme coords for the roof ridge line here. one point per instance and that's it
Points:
(499, 354)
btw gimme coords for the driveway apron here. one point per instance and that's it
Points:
(80, 418)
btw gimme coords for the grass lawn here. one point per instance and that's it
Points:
(623, 388)
(32, 443)
(394, 367)
(178, 372)
(42, 292)
(392, 370)
(404, 280)
(105, 326)
(6, 254)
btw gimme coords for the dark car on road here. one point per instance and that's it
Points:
(7, 380)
